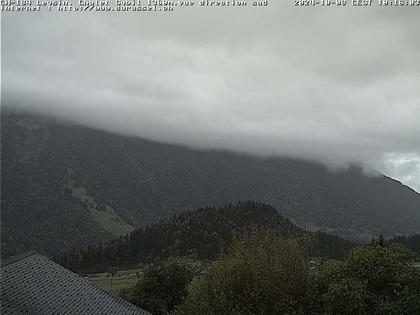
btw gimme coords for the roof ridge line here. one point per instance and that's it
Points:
(15, 258)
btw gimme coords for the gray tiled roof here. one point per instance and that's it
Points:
(33, 284)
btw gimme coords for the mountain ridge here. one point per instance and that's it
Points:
(145, 181)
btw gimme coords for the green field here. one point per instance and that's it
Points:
(114, 284)
(103, 214)
(123, 279)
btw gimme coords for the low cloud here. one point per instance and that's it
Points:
(336, 85)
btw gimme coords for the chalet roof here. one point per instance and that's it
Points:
(33, 284)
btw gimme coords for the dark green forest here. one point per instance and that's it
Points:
(204, 234)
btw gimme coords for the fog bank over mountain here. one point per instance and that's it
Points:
(335, 85)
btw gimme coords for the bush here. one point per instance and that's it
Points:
(374, 279)
(161, 287)
(263, 275)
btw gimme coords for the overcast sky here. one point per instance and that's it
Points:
(336, 85)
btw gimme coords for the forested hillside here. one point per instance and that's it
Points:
(412, 242)
(203, 234)
(65, 186)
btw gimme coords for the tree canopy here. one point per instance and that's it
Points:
(265, 274)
